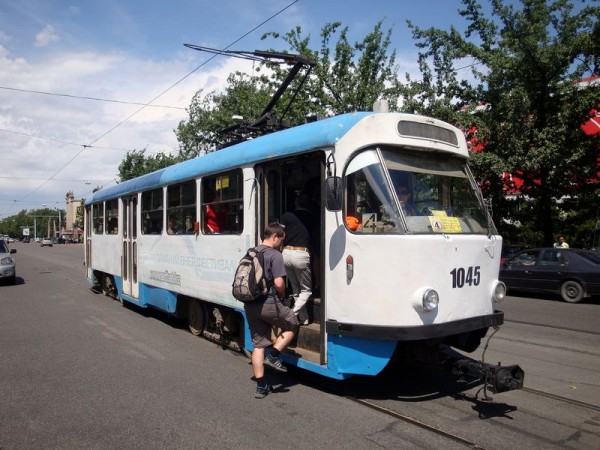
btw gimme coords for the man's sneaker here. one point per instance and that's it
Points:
(275, 363)
(262, 391)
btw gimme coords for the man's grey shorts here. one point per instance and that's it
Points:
(262, 316)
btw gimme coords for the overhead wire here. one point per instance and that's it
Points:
(153, 100)
(29, 91)
(57, 140)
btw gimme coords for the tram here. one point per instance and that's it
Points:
(394, 270)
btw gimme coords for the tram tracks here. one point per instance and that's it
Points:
(445, 433)
(334, 388)
(570, 401)
(553, 327)
(420, 412)
(416, 422)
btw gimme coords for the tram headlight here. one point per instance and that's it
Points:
(499, 291)
(431, 299)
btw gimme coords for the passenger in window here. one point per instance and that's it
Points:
(172, 226)
(404, 195)
(189, 224)
(113, 226)
(213, 225)
(214, 216)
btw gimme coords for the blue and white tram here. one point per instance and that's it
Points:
(407, 251)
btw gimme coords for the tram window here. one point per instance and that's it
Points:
(223, 203)
(152, 211)
(98, 217)
(433, 194)
(112, 217)
(369, 205)
(181, 208)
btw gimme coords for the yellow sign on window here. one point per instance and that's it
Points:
(444, 224)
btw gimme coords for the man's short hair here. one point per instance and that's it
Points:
(274, 228)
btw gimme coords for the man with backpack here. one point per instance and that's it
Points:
(263, 314)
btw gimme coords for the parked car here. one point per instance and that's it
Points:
(511, 250)
(8, 264)
(46, 241)
(572, 273)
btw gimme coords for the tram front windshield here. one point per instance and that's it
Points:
(391, 191)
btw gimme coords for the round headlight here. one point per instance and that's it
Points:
(499, 292)
(430, 300)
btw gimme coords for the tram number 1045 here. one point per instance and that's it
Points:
(470, 276)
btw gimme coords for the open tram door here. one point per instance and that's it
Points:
(87, 229)
(129, 255)
(281, 182)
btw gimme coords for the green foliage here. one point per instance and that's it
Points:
(523, 60)
(345, 78)
(136, 163)
(44, 219)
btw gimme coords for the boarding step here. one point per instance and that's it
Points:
(308, 338)
(308, 355)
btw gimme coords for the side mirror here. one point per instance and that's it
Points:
(333, 188)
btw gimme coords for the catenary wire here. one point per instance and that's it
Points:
(29, 91)
(154, 99)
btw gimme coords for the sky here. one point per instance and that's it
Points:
(75, 76)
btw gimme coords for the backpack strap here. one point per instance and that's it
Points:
(270, 282)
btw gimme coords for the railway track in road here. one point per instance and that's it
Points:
(418, 423)
(562, 399)
(453, 432)
(452, 438)
(554, 327)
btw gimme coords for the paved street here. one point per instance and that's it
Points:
(79, 370)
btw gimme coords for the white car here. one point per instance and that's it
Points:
(8, 265)
(46, 241)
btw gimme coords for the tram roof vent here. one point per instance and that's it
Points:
(381, 106)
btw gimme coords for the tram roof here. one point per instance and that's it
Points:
(294, 140)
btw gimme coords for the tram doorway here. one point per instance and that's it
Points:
(129, 257)
(281, 183)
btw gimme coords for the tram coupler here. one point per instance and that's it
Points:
(496, 378)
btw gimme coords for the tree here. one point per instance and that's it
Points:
(351, 79)
(245, 96)
(135, 163)
(524, 62)
(348, 77)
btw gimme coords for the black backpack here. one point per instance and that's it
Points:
(250, 282)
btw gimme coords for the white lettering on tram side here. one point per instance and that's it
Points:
(210, 264)
(166, 277)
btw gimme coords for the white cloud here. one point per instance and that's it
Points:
(47, 36)
(67, 124)
(4, 38)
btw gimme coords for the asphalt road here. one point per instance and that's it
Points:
(78, 370)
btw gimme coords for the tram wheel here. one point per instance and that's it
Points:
(196, 318)
(571, 291)
(108, 287)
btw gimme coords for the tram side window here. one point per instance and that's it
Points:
(98, 217)
(112, 217)
(369, 205)
(223, 203)
(181, 208)
(152, 211)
